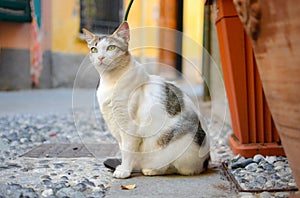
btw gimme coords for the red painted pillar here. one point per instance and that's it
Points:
(253, 127)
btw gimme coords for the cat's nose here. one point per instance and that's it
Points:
(101, 58)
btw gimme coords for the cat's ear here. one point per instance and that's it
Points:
(89, 36)
(123, 31)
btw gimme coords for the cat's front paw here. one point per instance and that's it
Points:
(121, 173)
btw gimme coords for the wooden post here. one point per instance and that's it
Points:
(253, 127)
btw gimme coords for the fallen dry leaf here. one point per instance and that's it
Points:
(128, 187)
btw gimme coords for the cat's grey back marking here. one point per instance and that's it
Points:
(188, 123)
(174, 99)
(165, 139)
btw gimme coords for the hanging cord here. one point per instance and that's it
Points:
(128, 9)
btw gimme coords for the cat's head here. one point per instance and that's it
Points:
(109, 52)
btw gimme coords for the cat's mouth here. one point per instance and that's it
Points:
(101, 64)
(105, 63)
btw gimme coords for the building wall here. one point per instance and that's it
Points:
(68, 50)
(192, 40)
(14, 55)
(65, 27)
(63, 50)
(15, 44)
(15, 35)
(144, 14)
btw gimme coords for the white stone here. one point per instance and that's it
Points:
(282, 194)
(271, 159)
(258, 157)
(292, 184)
(47, 193)
(270, 184)
(278, 167)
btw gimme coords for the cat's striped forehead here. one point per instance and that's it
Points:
(96, 40)
(108, 40)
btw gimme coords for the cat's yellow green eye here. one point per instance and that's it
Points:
(94, 50)
(111, 47)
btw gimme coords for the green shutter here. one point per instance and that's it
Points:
(15, 10)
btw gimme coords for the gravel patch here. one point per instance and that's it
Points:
(51, 177)
(219, 133)
(262, 173)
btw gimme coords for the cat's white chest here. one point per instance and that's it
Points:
(104, 98)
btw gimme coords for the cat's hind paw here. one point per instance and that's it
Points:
(151, 172)
(121, 173)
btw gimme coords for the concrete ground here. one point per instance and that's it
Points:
(210, 184)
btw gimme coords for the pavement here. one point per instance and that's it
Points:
(209, 184)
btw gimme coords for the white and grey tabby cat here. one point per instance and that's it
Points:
(156, 125)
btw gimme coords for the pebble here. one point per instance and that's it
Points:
(80, 187)
(64, 178)
(271, 159)
(270, 184)
(69, 192)
(261, 180)
(88, 182)
(251, 167)
(15, 186)
(60, 186)
(292, 184)
(47, 182)
(282, 194)
(237, 158)
(47, 193)
(96, 195)
(242, 163)
(58, 165)
(69, 172)
(257, 158)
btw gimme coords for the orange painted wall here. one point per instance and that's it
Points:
(14, 35)
(18, 35)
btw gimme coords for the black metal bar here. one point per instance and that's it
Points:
(206, 51)
(128, 10)
(179, 36)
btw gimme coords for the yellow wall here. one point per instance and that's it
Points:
(143, 13)
(192, 41)
(65, 27)
(66, 24)
(193, 24)
(150, 9)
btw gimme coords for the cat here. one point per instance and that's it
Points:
(156, 125)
